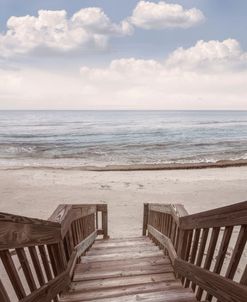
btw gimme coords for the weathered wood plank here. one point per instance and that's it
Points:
(201, 251)
(165, 241)
(50, 290)
(209, 257)
(145, 219)
(121, 281)
(122, 241)
(237, 252)
(113, 257)
(128, 249)
(86, 243)
(13, 274)
(161, 208)
(3, 293)
(170, 295)
(193, 251)
(225, 216)
(221, 254)
(223, 289)
(122, 244)
(37, 265)
(26, 268)
(244, 276)
(18, 231)
(66, 214)
(45, 261)
(123, 263)
(120, 291)
(122, 272)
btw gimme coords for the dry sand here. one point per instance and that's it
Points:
(37, 192)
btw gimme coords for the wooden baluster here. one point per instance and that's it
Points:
(3, 294)
(170, 227)
(177, 239)
(45, 261)
(243, 280)
(222, 253)
(13, 274)
(97, 220)
(145, 219)
(187, 249)
(183, 236)
(209, 257)
(36, 264)
(81, 229)
(26, 268)
(237, 252)
(77, 231)
(57, 257)
(70, 235)
(66, 247)
(201, 251)
(74, 233)
(62, 255)
(162, 231)
(173, 236)
(167, 224)
(193, 252)
(53, 259)
(105, 223)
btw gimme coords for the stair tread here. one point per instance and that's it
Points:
(126, 270)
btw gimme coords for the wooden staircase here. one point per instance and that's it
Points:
(179, 258)
(126, 269)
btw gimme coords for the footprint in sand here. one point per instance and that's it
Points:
(105, 187)
(140, 186)
(127, 184)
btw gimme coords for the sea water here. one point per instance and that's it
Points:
(100, 138)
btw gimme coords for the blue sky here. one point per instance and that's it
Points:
(95, 72)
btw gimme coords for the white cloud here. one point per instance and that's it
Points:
(213, 55)
(141, 84)
(150, 15)
(87, 28)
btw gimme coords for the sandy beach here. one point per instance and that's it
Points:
(37, 192)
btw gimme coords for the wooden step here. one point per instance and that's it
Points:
(177, 295)
(121, 281)
(122, 263)
(117, 271)
(126, 270)
(120, 291)
(111, 240)
(122, 243)
(127, 255)
(120, 250)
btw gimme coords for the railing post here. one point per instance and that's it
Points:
(105, 221)
(145, 219)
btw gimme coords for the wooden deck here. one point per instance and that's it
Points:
(131, 269)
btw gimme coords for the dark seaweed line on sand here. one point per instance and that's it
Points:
(140, 167)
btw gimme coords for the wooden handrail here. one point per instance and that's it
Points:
(216, 285)
(226, 216)
(19, 231)
(47, 250)
(198, 246)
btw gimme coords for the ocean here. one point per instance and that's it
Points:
(72, 139)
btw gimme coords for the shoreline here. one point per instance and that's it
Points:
(137, 167)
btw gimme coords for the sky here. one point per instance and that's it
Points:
(108, 54)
